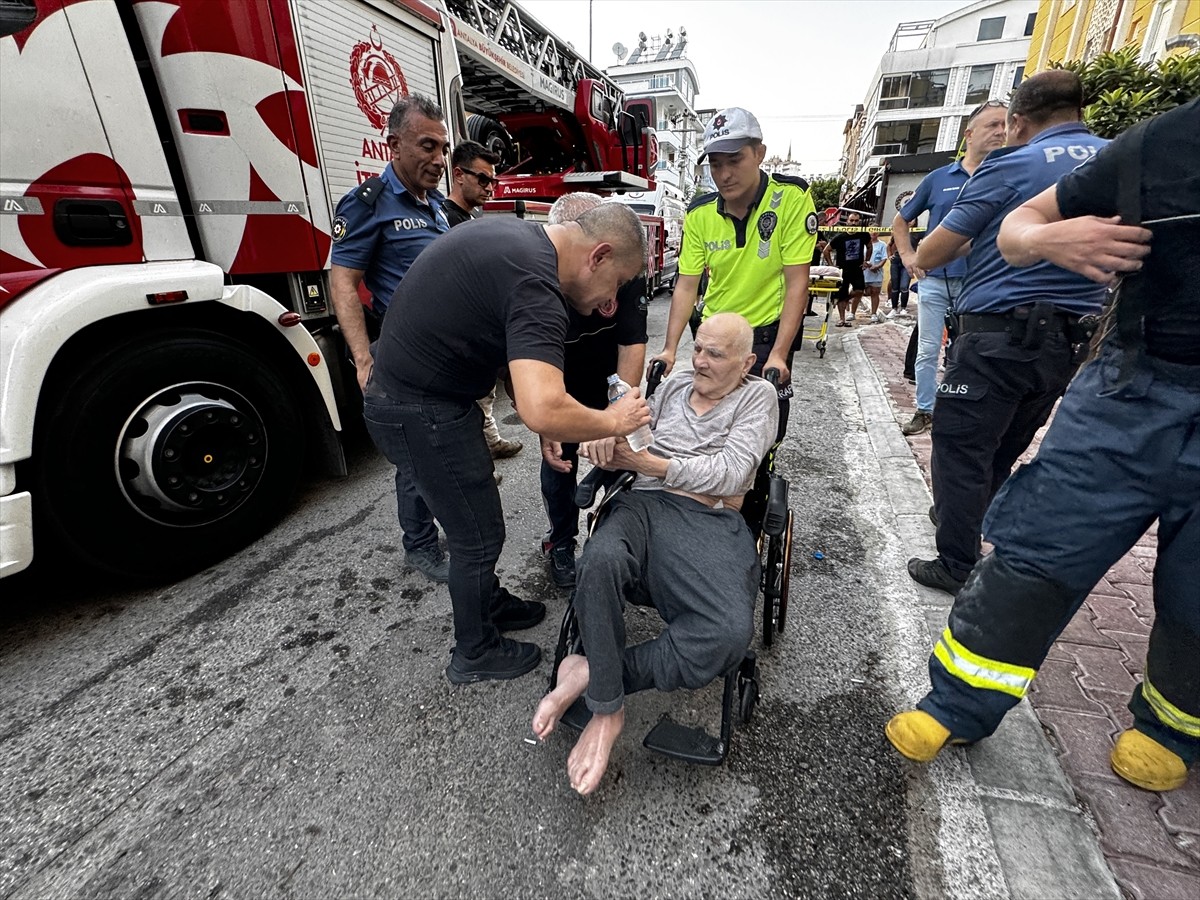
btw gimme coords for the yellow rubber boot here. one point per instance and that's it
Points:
(917, 735)
(1145, 763)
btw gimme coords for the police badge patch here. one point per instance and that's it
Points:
(810, 223)
(766, 227)
(339, 228)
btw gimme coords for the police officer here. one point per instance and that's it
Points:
(755, 236)
(1017, 332)
(380, 228)
(1122, 453)
(935, 195)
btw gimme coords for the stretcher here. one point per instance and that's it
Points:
(824, 286)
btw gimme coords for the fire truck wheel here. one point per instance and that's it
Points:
(494, 137)
(164, 453)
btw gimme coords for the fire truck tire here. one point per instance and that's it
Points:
(494, 137)
(161, 454)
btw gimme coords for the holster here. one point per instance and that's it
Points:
(1040, 321)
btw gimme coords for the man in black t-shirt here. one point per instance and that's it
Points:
(848, 248)
(596, 346)
(1121, 455)
(491, 295)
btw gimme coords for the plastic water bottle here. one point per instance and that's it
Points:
(640, 439)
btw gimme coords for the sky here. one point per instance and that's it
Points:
(799, 65)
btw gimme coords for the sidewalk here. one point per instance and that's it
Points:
(1151, 842)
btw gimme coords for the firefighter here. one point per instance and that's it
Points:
(1122, 454)
(755, 236)
(1016, 332)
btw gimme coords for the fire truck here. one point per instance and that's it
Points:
(170, 367)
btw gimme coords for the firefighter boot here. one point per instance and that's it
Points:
(917, 735)
(1144, 762)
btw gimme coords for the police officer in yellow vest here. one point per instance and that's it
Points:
(755, 236)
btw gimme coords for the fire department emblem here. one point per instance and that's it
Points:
(377, 79)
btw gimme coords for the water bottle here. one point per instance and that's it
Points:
(640, 439)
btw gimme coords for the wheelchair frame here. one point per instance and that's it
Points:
(766, 513)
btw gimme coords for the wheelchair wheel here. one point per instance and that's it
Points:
(785, 576)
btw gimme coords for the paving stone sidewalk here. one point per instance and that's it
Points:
(1151, 841)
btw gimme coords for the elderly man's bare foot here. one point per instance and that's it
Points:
(589, 759)
(572, 682)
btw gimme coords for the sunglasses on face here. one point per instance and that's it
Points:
(483, 179)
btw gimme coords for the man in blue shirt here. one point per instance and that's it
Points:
(1016, 335)
(380, 228)
(936, 193)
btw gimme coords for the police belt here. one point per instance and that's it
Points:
(766, 334)
(1019, 323)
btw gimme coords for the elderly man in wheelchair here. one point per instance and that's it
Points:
(677, 539)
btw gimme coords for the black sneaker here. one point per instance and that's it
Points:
(562, 565)
(933, 573)
(508, 659)
(512, 614)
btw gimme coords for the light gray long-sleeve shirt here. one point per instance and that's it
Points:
(716, 453)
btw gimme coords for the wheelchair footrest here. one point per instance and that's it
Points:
(693, 745)
(577, 716)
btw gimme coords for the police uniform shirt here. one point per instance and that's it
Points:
(382, 239)
(936, 194)
(1005, 180)
(592, 344)
(1170, 199)
(745, 257)
(475, 300)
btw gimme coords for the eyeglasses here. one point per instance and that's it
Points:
(988, 104)
(483, 179)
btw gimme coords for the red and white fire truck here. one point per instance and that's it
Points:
(169, 364)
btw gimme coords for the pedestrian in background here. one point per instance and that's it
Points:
(1122, 455)
(380, 227)
(1017, 334)
(874, 259)
(940, 285)
(898, 283)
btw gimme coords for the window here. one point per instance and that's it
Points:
(906, 137)
(1018, 77)
(979, 84)
(991, 29)
(916, 91)
(658, 82)
(1029, 23)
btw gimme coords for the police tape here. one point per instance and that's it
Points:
(863, 228)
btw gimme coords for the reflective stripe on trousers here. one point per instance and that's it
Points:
(979, 671)
(1168, 713)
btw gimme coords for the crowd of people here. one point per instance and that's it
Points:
(553, 309)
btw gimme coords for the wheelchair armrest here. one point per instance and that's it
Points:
(585, 492)
(775, 518)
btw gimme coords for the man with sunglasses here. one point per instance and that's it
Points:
(472, 184)
(939, 286)
(379, 228)
(1017, 334)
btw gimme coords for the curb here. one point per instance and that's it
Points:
(1040, 841)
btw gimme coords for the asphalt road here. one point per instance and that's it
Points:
(279, 724)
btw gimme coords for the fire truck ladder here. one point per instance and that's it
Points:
(549, 58)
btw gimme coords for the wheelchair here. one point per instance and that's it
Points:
(766, 512)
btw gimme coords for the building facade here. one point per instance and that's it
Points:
(1083, 29)
(933, 74)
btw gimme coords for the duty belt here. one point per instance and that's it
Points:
(1028, 325)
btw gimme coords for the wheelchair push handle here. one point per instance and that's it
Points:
(772, 376)
(654, 377)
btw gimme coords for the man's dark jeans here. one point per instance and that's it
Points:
(438, 444)
(558, 495)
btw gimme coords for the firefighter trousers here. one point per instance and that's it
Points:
(1118, 459)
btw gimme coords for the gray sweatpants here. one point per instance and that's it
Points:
(699, 568)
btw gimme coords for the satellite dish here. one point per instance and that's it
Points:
(619, 49)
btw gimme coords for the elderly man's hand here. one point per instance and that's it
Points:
(599, 452)
(552, 454)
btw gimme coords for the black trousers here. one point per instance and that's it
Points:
(993, 398)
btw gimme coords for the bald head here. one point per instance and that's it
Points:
(570, 207)
(733, 330)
